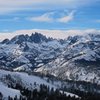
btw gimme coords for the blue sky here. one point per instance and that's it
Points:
(49, 14)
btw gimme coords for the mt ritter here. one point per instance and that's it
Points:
(74, 58)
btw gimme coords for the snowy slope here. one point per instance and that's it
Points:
(8, 91)
(23, 79)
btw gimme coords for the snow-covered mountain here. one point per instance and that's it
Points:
(75, 58)
(29, 51)
(79, 61)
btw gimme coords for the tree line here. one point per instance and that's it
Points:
(46, 93)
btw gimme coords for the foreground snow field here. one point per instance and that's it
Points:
(8, 91)
(28, 81)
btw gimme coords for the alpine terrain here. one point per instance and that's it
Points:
(67, 68)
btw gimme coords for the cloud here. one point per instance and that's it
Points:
(58, 34)
(47, 17)
(67, 18)
(8, 6)
(98, 21)
(51, 17)
(10, 19)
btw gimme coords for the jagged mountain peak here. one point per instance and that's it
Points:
(37, 38)
(19, 39)
(5, 41)
(34, 37)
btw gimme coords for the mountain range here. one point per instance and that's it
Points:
(74, 58)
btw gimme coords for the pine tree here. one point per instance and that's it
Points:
(1, 96)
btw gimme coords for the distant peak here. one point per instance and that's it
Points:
(34, 37)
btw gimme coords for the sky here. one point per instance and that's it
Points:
(57, 15)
